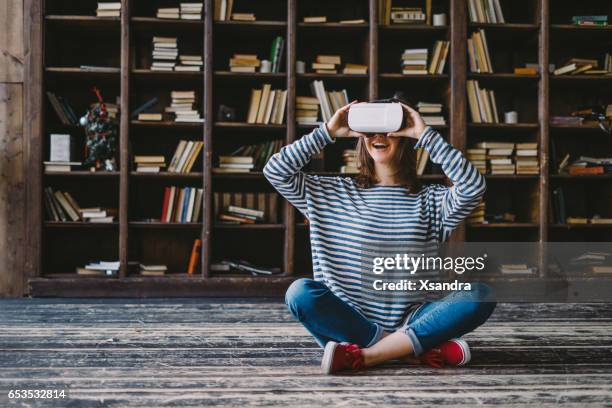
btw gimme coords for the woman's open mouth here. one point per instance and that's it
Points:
(380, 145)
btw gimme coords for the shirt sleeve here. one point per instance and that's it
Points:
(454, 203)
(284, 169)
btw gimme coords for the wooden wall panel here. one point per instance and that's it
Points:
(11, 41)
(12, 190)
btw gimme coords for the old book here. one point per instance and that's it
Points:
(254, 105)
(194, 257)
(315, 19)
(263, 103)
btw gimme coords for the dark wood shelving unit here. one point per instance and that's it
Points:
(138, 195)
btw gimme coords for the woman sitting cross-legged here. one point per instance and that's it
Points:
(385, 203)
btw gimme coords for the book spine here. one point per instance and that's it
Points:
(195, 255)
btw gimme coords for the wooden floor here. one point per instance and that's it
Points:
(238, 353)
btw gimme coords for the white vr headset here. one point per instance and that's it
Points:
(376, 117)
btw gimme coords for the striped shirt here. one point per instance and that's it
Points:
(345, 218)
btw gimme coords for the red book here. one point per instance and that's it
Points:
(195, 255)
(165, 205)
(577, 171)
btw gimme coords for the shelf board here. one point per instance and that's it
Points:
(254, 24)
(81, 21)
(167, 124)
(505, 225)
(503, 125)
(413, 27)
(164, 225)
(82, 173)
(590, 126)
(605, 176)
(506, 26)
(512, 176)
(244, 125)
(240, 176)
(149, 74)
(167, 175)
(580, 226)
(167, 22)
(314, 75)
(502, 76)
(332, 25)
(398, 75)
(249, 226)
(250, 74)
(79, 224)
(572, 27)
(76, 71)
(581, 78)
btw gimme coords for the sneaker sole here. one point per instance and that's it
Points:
(328, 357)
(467, 355)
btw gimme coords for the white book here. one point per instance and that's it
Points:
(192, 195)
(60, 148)
(184, 156)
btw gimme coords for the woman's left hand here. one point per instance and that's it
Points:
(414, 124)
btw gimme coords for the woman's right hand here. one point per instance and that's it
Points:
(337, 126)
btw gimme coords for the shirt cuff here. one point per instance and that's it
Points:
(326, 135)
(425, 138)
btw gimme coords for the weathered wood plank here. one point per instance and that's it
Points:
(12, 171)
(11, 41)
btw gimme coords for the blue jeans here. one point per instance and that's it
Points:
(327, 317)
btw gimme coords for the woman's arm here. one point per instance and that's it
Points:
(283, 170)
(458, 201)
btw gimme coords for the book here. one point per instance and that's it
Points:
(315, 19)
(485, 11)
(196, 250)
(59, 149)
(267, 105)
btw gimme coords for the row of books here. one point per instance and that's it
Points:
(267, 105)
(478, 53)
(323, 19)
(241, 62)
(223, 10)
(329, 102)
(485, 11)
(185, 11)
(389, 14)
(181, 204)
(61, 206)
(263, 205)
(597, 20)
(483, 107)
(63, 109)
(586, 66)
(108, 9)
(415, 60)
(504, 157)
(240, 215)
(183, 159)
(573, 211)
(99, 268)
(248, 157)
(329, 64)
(431, 113)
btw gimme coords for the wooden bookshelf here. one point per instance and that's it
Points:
(536, 31)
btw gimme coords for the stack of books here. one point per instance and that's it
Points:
(165, 51)
(223, 10)
(98, 215)
(478, 215)
(267, 105)
(597, 21)
(152, 270)
(431, 113)
(191, 11)
(499, 156)
(330, 101)
(438, 59)
(185, 156)
(263, 202)
(112, 9)
(149, 164)
(528, 69)
(407, 15)
(349, 157)
(59, 154)
(240, 266)
(585, 165)
(592, 261)
(478, 158)
(326, 64)
(240, 215)
(526, 158)
(354, 69)
(63, 109)
(150, 116)
(181, 204)
(414, 61)
(307, 110)
(168, 12)
(315, 19)
(191, 63)
(236, 164)
(243, 17)
(517, 269)
(182, 107)
(483, 107)
(244, 63)
(576, 66)
(478, 53)
(485, 11)
(259, 154)
(101, 268)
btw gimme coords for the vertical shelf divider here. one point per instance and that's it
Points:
(207, 129)
(291, 51)
(458, 78)
(124, 131)
(373, 50)
(543, 114)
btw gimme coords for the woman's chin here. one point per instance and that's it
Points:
(381, 158)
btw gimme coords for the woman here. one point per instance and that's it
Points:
(384, 201)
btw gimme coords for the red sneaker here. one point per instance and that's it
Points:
(455, 352)
(341, 356)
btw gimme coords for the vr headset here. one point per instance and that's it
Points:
(382, 116)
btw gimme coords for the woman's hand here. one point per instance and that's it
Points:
(414, 124)
(337, 126)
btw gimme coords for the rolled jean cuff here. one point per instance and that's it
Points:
(417, 348)
(377, 336)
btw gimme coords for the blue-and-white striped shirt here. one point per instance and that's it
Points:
(345, 217)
